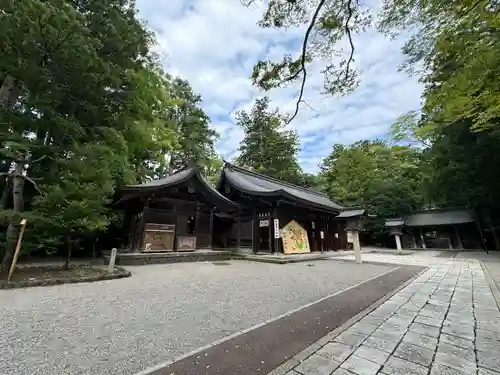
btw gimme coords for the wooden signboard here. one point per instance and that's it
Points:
(159, 237)
(186, 243)
(295, 240)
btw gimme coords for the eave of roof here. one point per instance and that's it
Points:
(256, 184)
(178, 178)
(396, 222)
(351, 212)
(435, 217)
(439, 217)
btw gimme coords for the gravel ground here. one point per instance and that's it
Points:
(162, 311)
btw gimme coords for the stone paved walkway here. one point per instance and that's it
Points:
(446, 322)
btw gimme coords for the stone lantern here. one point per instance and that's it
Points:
(396, 229)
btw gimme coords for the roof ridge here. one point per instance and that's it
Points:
(263, 176)
(440, 209)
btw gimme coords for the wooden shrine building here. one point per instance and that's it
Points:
(175, 213)
(271, 210)
(247, 212)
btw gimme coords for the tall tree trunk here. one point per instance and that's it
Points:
(68, 257)
(9, 91)
(4, 199)
(17, 209)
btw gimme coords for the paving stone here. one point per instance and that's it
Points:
(293, 372)
(374, 319)
(372, 354)
(463, 318)
(456, 362)
(421, 340)
(460, 309)
(399, 329)
(432, 314)
(434, 301)
(387, 334)
(336, 351)
(317, 365)
(351, 338)
(429, 321)
(466, 354)
(412, 306)
(397, 366)
(484, 371)
(457, 329)
(360, 366)
(413, 353)
(489, 359)
(406, 313)
(381, 344)
(425, 329)
(440, 369)
(364, 327)
(342, 371)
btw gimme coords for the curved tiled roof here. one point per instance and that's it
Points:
(177, 179)
(260, 185)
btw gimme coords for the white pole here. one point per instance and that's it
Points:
(356, 245)
(112, 259)
(398, 241)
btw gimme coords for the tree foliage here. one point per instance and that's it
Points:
(267, 147)
(452, 48)
(384, 179)
(84, 107)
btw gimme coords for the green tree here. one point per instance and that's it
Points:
(77, 205)
(195, 138)
(75, 73)
(267, 147)
(466, 29)
(382, 178)
(213, 169)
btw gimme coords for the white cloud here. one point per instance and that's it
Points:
(214, 44)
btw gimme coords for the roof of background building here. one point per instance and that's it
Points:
(351, 212)
(435, 217)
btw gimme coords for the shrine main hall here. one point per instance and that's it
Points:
(247, 212)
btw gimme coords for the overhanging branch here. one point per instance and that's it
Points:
(303, 60)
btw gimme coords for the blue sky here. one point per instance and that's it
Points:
(215, 43)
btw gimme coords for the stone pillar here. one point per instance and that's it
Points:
(422, 239)
(356, 245)
(398, 242)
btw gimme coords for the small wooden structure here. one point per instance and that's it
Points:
(175, 213)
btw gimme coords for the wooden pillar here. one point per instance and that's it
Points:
(211, 233)
(132, 233)
(238, 238)
(255, 231)
(197, 219)
(327, 234)
(270, 217)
